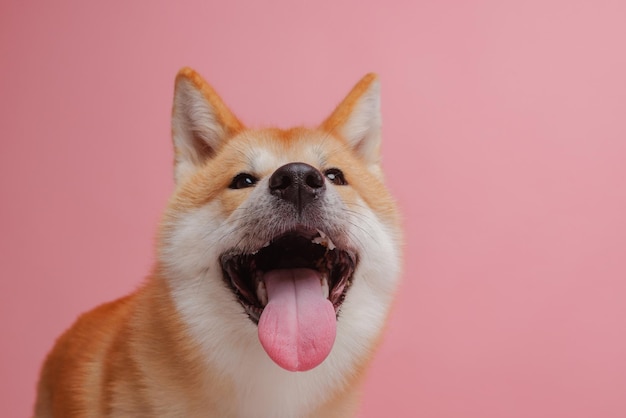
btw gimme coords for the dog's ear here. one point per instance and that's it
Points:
(201, 122)
(358, 120)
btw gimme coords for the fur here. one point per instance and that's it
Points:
(182, 345)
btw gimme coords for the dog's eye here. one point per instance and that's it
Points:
(243, 180)
(335, 176)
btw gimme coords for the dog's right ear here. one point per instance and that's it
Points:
(201, 122)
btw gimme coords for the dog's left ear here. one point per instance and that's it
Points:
(201, 122)
(357, 119)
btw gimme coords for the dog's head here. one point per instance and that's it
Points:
(281, 239)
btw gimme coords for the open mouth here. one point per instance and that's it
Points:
(301, 249)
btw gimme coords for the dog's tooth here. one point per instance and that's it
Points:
(325, 288)
(323, 239)
(261, 292)
(318, 241)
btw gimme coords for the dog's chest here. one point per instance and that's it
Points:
(278, 394)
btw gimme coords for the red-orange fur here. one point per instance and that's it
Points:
(98, 367)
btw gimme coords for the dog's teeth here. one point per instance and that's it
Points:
(322, 239)
(261, 292)
(325, 288)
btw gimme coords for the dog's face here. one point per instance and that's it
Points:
(280, 244)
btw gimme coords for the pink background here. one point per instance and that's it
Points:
(505, 144)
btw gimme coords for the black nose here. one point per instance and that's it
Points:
(297, 183)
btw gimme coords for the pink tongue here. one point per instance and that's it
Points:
(298, 325)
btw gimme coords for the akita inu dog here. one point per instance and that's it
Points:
(278, 257)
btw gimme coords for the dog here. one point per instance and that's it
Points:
(278, 258)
